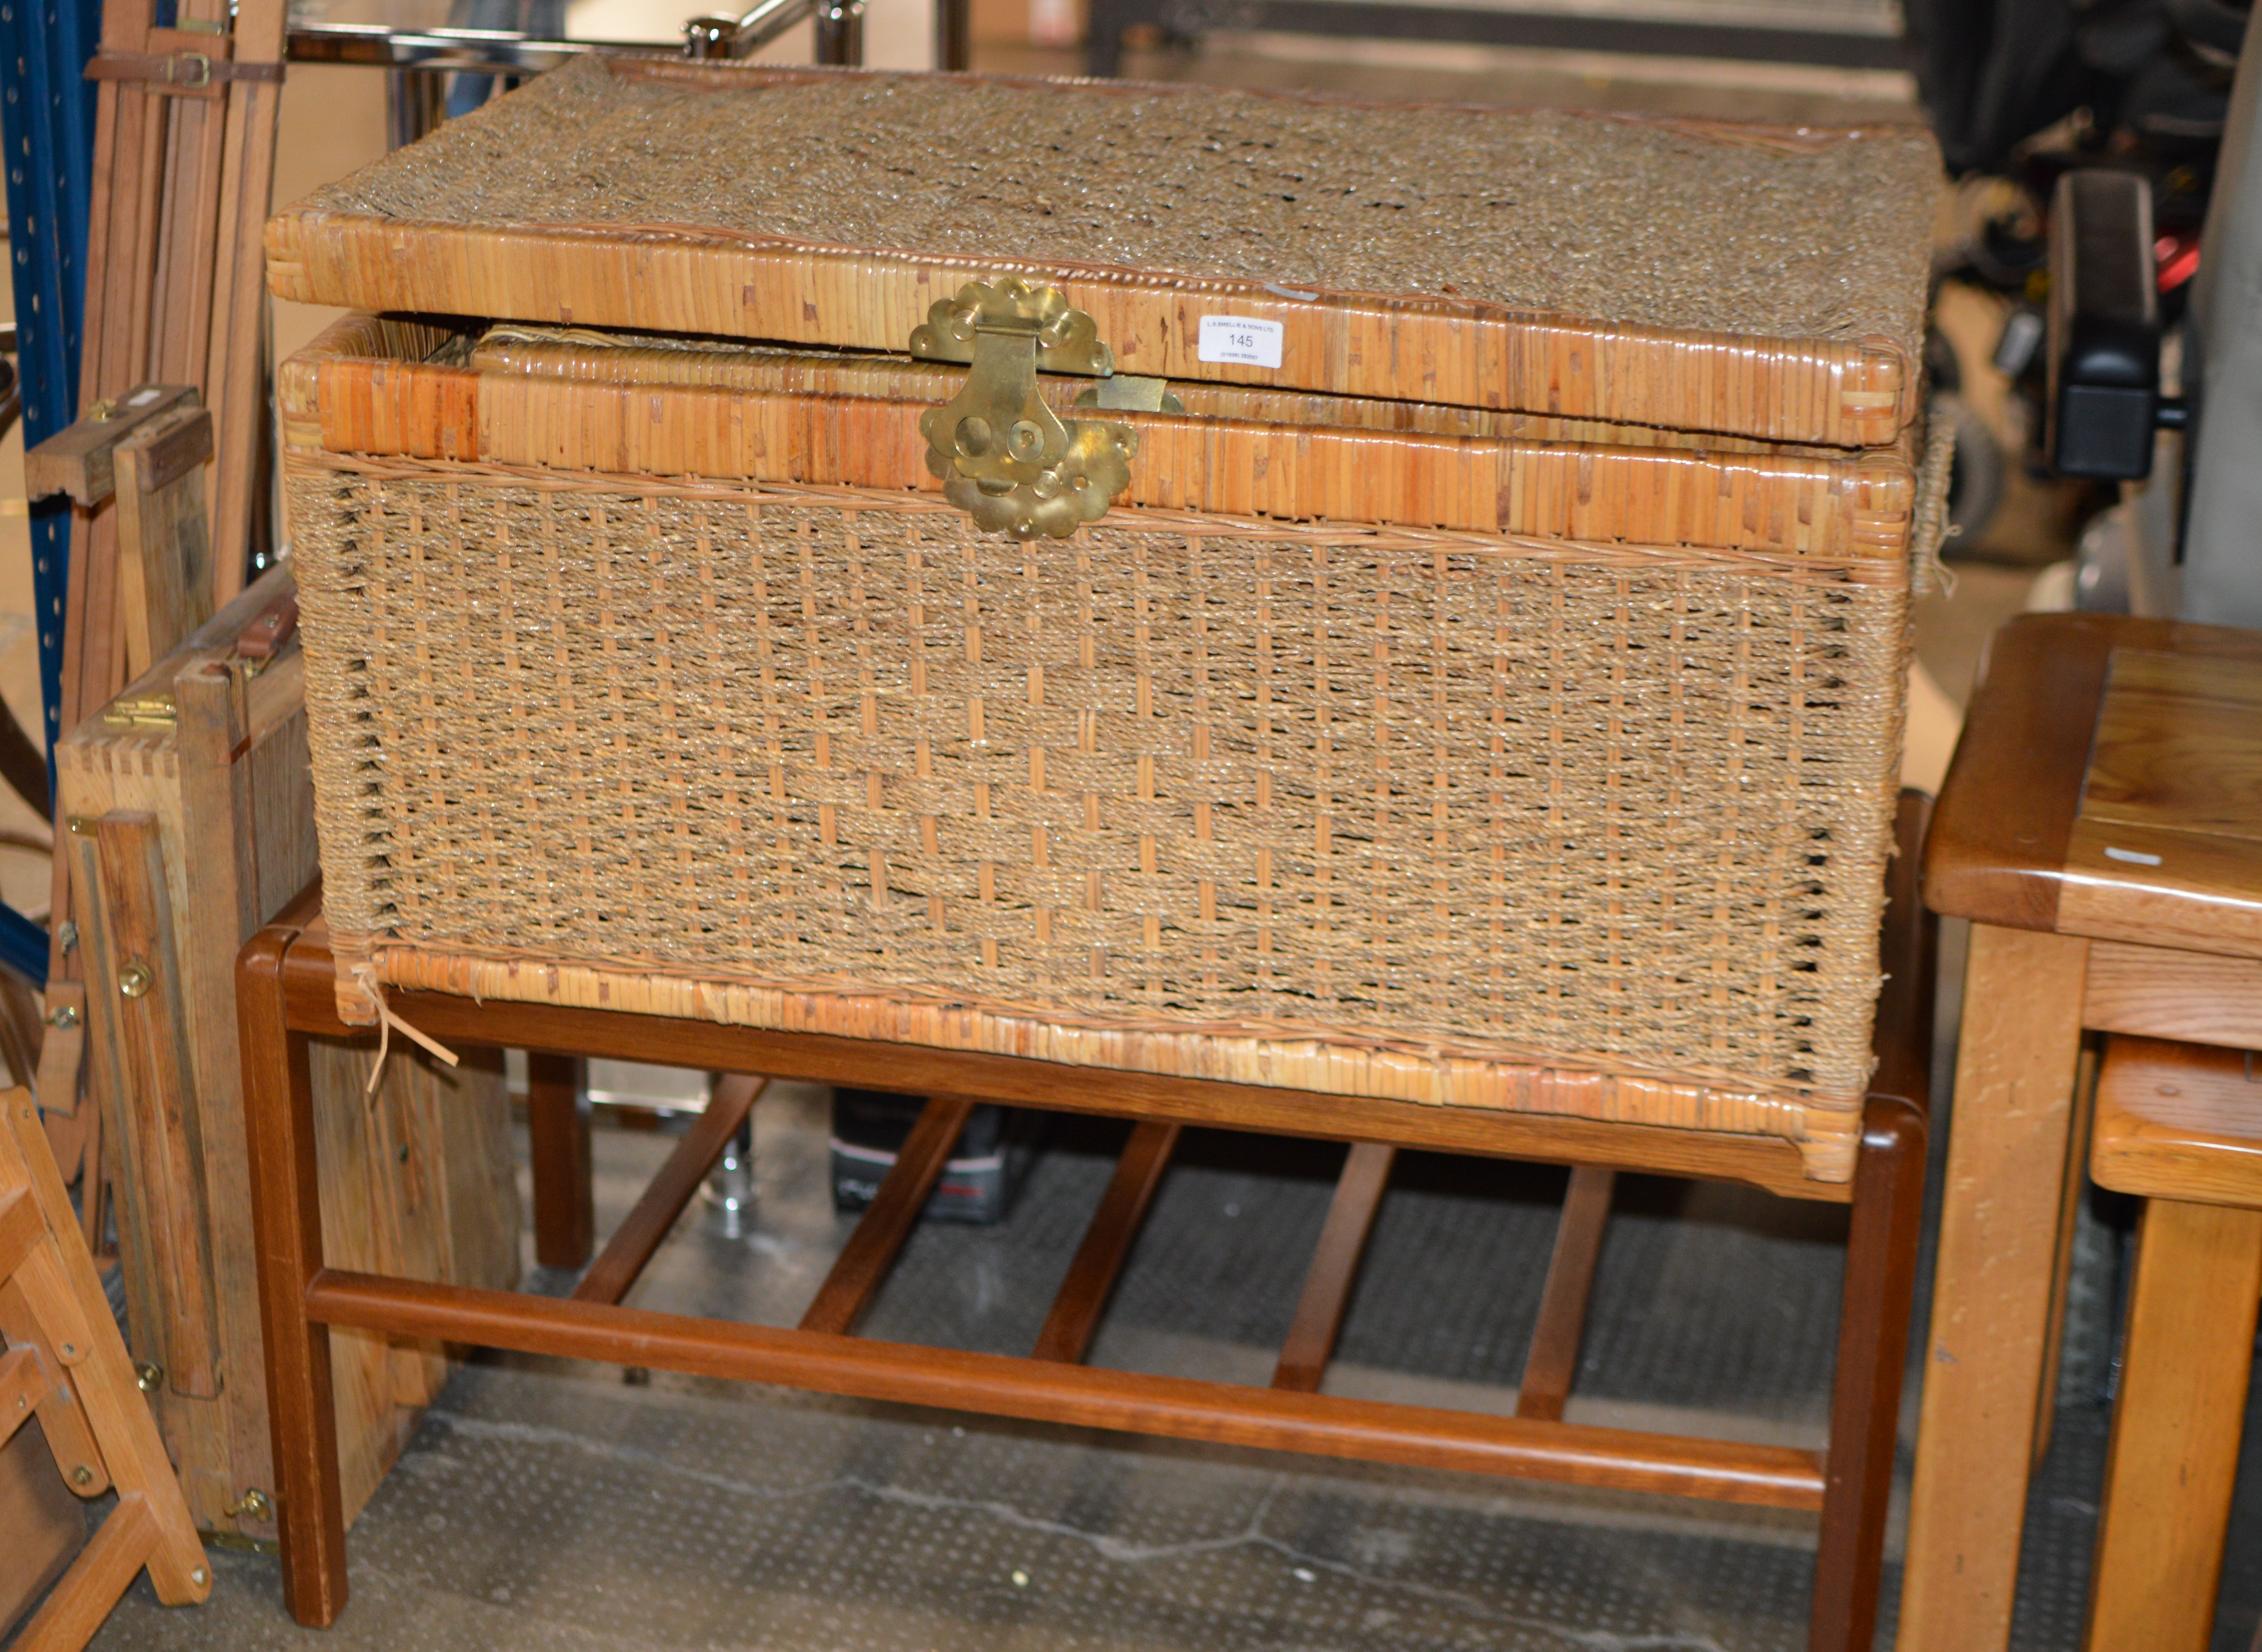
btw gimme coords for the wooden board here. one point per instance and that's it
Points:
(164, 565)
(2167, 847)
(2160, 992)
(80, 459)
(236, 373)
(2178, 745)
(142, 1078)
(180, 188)
(235, 840)
(2108, 783)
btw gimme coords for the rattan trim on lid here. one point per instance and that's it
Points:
(1834, 507)
(589, 355)
(1860, 393)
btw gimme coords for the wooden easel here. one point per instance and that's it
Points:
(183, 162)
(65, 1363)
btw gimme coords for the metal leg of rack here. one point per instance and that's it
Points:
(416, 102)
(840, 33)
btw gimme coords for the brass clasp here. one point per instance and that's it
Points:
(1005, 458)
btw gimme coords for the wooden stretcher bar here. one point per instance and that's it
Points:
(621, 1262)
(1774, 1476)
(862, 1265)
(1554, 1357)
(1311, 1341)
(1084, 1293)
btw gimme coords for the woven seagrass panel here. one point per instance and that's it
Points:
(1616, 809)
(1696, 225)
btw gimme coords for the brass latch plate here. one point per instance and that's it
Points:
(1005, 458)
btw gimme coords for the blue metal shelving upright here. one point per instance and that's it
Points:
(46, 128)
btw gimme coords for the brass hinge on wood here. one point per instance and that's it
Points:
(153, 709)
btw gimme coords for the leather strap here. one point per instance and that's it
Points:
(179, 73)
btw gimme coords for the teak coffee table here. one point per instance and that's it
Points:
(286, 981)
(2101, 827)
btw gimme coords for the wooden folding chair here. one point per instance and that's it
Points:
(65, 1363)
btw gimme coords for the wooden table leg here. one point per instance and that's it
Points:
(1985, 1364)
(279, 1104)
(1873, 1333)
(2176, 1426)
(557, 1129)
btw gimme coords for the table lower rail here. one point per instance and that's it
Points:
(1051, 1391)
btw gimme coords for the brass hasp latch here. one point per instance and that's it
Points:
(1005, 458)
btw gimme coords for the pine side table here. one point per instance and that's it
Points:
(2101, 828)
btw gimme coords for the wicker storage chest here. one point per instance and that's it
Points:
(1475, 677)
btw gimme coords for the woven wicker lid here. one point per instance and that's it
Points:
(1760, 281)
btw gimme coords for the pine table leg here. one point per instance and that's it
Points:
(2176, 1427)
(1986, 1353)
